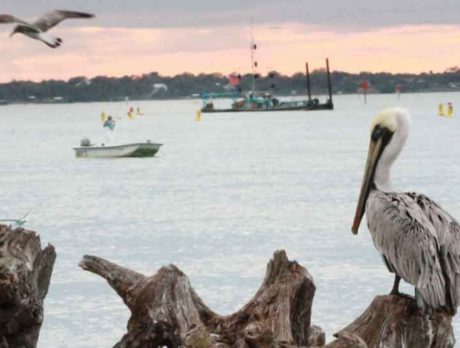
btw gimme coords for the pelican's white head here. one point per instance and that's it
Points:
(389, 132)
(392, 127)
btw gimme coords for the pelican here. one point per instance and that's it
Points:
(38, 29)
(418, 240)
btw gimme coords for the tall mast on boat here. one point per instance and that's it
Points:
(329, 85)
(253, 61)
(307, 75)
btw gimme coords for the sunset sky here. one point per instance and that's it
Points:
(174, 36)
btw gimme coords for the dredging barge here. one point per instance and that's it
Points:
(262, 102)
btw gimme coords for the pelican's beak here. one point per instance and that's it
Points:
(375, 148)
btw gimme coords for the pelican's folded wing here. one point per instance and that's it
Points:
(448, 234)
(407, 239)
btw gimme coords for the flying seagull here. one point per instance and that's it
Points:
(418, 240)
(15, 223)
(38, 29)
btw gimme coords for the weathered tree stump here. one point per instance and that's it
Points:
(166, 311)
(25, 273)
(396, 322)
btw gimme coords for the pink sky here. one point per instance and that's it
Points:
(91, 51)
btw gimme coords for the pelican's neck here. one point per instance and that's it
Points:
(382, 177)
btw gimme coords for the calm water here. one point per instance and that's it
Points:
(221, 196)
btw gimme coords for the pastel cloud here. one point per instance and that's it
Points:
(117, 51)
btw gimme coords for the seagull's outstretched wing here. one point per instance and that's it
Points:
(53, 18)
(6, 18)
(17, 222)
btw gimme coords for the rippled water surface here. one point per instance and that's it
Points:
(221, 196)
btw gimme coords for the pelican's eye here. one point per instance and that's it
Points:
(383, 133)
(376, 133)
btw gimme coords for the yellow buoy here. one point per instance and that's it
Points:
(130, 113)
(441, 111)
(198, 116)
(450, 110)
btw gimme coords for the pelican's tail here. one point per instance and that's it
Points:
(420, 301)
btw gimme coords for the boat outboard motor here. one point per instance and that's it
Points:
(85, 142)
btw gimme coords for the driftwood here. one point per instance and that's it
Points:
(395, 321)
(166, 311)
(25, 272)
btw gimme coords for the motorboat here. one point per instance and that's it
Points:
(88, 150)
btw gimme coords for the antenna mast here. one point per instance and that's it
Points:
(329, 85)
(307, 75)
(253, 62)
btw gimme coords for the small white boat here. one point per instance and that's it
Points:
(88, 150)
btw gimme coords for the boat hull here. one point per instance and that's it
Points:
(118, 151)
(326, 106)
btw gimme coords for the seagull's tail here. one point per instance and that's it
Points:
(56, 42)
(50, 41)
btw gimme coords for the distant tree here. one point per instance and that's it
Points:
(103, 88)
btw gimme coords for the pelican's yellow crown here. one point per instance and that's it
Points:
(387, 119)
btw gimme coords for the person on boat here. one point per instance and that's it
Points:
(109, 126)
(109, 123)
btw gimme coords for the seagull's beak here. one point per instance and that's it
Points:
(375, 150)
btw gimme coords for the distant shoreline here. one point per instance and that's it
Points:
(197, 98)
(153, 86)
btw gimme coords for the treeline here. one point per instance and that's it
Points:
(155, 86)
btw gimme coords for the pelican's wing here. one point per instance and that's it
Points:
(409, 243)
(6, 18)
(448, 233)
(53, 18)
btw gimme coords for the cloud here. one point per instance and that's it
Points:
(350, 14)
(93, 51)
(173, 36)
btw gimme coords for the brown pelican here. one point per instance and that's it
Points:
(418, 240)
(38, 29)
